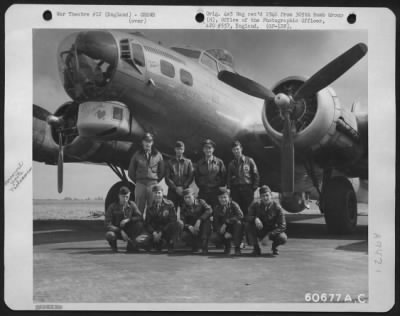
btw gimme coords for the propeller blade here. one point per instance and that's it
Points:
(331, 71)
(287, 156)
(245, 85)
(60, 165)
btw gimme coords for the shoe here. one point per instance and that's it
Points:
(256, 251)
(204, 247)
(113, 245)
(237, 251)
(170, 248)
(275, 251)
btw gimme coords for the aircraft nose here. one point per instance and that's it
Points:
(98, 45)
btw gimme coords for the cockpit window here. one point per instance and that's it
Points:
(209, 62)
(191, 53)
(138, 55)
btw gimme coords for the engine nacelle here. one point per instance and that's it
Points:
(319, 120)
(108, 120)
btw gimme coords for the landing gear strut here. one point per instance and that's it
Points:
(112, 194)
(339, 205)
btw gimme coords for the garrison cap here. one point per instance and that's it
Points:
(147, 137)
(223, 190)
(236, 143)
(208, 142)
(157, 188)
(264, 189)
(124, 190)
(179, 144)
(187, 191)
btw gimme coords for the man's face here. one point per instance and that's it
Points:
(179, 151)
(124, 198)
(158, 195)
(237, 151)
(223, 199)
(208, 150)
(189, 199)
(266, 197)
(147, 145)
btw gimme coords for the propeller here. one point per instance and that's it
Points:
(58, 122)
(287, 104)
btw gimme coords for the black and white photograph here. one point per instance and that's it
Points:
(200, 166)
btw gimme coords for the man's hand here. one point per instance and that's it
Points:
(193, 230)
(222, 229)
(197, 226)
(258, 223)
(124, 222)
(227, 235)
(179, 191)
(156, 236)
(125, 237)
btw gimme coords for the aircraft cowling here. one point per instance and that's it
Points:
(316, 118)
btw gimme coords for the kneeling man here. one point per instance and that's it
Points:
(160, 222)
(194, 219)
(124, 221)
(227, 226)
(266, 218)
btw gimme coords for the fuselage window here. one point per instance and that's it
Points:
(167, 68)
(138, 55)
(209, 62)
(186, 77)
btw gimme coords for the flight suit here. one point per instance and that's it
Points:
(178, 173)
(145, 170)
(189, 214)
(243, 179)
(114, 214)
(273, 220)
(209, 176)
(162, 218)
(232, 216)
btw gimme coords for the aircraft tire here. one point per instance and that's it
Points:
(112, 194)
(340, 205)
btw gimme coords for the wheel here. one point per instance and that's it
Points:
(112, 194)
(339, 204)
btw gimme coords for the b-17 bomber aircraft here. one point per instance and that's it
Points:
(123, 85)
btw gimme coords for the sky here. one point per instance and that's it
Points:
(264, 56)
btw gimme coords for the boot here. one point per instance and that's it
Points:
(227, 248)
(170, 247)
(113, 245)
(204, 246)
(275, 251)
(256, 250)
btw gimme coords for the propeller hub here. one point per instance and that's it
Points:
(283, 102)
(55, 120)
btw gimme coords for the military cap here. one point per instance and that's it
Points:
(179, 144)
(236, 143)
(208, 142)
(187, 191)
(157, 188)
(124, 190)
(223, 190)
(147, 137)
(264, 189)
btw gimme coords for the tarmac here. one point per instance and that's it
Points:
(74, 264)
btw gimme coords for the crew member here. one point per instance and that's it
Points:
(243, 178)
(146, 169)
(194, 220)
(227, 222)
(179, 174)
(161, 222)
(266, 218)
(124, 221)
(210, 174)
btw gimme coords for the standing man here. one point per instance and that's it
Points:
(243, 178)
(146, 169)
(124, 221)
(210, 174)
(266, 218)
(179, 174)
(194, 220)
(161, 222)
(227, 222)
